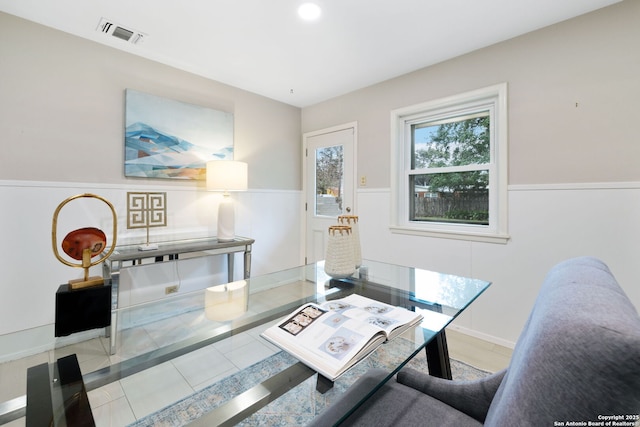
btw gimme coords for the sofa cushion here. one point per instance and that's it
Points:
(578, 356)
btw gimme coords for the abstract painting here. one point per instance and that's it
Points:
(172, 139)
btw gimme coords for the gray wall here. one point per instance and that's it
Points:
(62, 110)
(592, 61)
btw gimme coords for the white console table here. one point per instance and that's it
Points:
(169, 251)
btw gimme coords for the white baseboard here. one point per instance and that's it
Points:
(481, 336)
(39, 340)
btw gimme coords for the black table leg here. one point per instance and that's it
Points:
(323, 384)
(57, 397)
(438, 357)
(39, 409)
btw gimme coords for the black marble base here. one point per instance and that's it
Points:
(82, 309)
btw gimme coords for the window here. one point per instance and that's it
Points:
(449, 167)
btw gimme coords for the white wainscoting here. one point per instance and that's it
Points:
(31, 274)
(547, 224)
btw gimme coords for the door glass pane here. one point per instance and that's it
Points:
(329, 183)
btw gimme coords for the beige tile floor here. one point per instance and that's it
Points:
(477, 352)
(122, 402)
(151, 390)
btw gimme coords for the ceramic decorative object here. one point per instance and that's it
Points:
(339, 261)
(223, 303)
(352, 221)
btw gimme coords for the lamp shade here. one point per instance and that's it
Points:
(226, 175)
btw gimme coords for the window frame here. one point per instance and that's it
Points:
(492, 99)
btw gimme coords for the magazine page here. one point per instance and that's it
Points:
(332, 336)
(386, 317)
(326, 340)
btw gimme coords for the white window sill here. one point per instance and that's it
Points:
(448, 234)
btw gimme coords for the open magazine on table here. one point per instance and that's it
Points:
(333, 336)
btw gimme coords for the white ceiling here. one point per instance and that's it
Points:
(263, 47)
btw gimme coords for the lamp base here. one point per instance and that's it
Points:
(226, 220)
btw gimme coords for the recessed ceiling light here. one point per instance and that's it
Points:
(309, 11)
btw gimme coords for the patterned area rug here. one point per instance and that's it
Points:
(297, 408)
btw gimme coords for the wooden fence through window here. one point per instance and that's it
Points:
(443, 205)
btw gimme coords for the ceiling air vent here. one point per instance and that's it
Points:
(110, 28)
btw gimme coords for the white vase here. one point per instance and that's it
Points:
(339, 261)
(352, 221)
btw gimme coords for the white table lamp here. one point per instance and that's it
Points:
(226, 175)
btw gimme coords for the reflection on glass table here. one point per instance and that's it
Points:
(171, 329)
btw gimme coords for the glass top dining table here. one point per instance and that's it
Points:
(278, 385)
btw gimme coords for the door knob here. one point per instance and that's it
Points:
(348, 209)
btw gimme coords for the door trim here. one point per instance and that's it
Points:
(303, 212)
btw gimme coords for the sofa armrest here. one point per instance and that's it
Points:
(471, 397)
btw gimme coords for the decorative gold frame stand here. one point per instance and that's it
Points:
(86, 253)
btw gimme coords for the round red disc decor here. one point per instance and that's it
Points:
(78, 240)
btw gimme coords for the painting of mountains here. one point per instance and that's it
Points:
(172, 139)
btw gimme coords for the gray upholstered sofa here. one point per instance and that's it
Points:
(577, 360)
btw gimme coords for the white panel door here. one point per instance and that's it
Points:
(329, 183)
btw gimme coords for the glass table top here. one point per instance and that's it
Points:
(185, 323)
